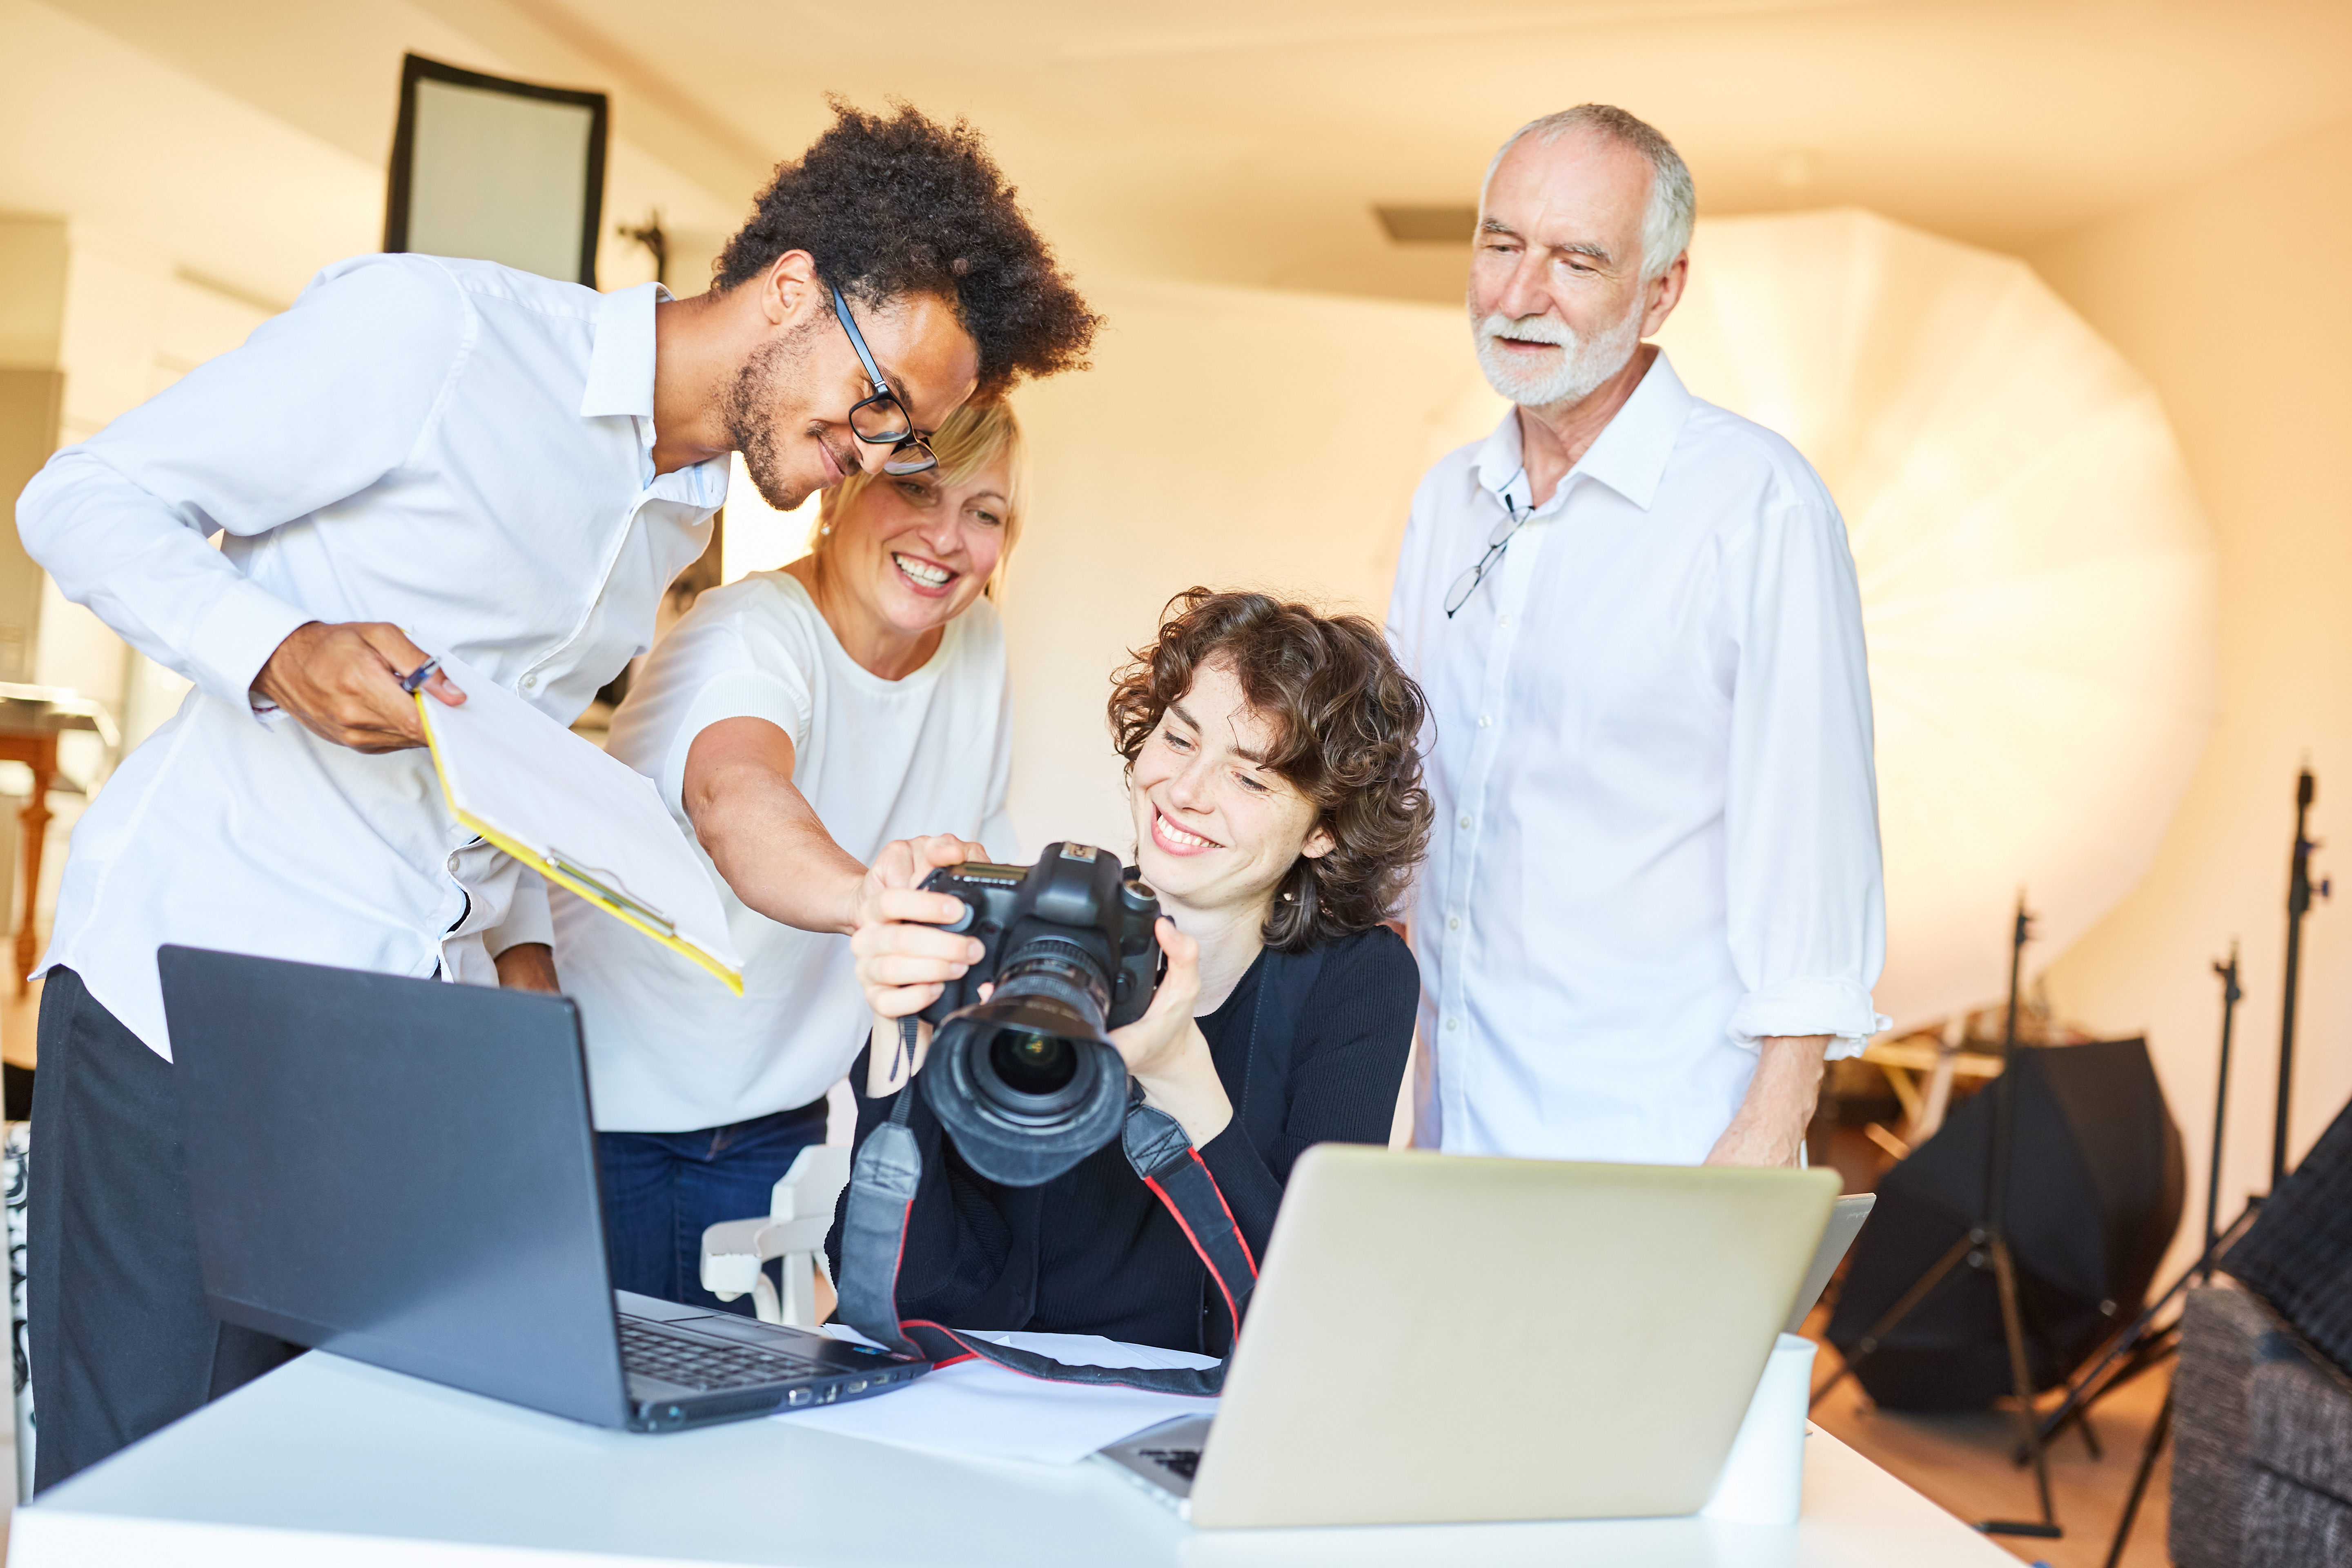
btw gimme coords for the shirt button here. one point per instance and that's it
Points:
(1453, 1023)
(1502, 620)
(1484, 721)
(1465, 821)
(1455, 923)
(530, 683)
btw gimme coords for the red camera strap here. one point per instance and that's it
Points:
(883, 1182)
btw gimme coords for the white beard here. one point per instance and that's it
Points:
(1574, 376)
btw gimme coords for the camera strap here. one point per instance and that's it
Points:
(882, 1186)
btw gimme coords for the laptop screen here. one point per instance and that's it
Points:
(399, 1170)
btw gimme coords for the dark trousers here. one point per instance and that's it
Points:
(119, 1335)
(662, 1189)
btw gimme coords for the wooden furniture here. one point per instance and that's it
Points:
(1903, 1062)
(31, 718)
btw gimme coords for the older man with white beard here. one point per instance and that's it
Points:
(1653, 906)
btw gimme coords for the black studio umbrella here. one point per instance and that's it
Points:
(2095, 1188)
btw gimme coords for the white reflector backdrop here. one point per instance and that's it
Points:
(2038, 579)
(2037, 576)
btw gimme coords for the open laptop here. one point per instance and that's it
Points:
(402, 1171)
(1845, 1222)
(1437, 1339)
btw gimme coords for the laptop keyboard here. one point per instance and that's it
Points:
(691, 1363)
(1176, 1461)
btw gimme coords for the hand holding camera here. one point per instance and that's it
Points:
(1165, 1050)
(904, 959)
(1041, 981)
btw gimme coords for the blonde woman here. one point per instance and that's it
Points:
(804, 725)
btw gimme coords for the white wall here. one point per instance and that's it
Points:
(186, 213)
(92, 129)
(2261, 398)
(1231, 437)
(95, 128)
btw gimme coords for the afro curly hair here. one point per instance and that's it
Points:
(894, 204)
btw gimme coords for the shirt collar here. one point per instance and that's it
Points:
(621, 365)
(1630, 455)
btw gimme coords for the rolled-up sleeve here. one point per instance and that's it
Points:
(1806, 894)
(321, 403)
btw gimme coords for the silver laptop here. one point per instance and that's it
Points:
(1845, 1222)
(1438, 1339)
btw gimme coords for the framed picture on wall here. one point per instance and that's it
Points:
(495, 170)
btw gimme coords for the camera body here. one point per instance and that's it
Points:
(1027, 1082)
(1076, 894)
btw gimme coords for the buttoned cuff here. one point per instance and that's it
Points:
(528, 918)
(235, 638)
(1838, 1008)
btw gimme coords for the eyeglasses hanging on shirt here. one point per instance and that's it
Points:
(1467, 584)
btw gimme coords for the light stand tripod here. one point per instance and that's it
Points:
(2165, 1344)
(2142, 1346)
(2231, 996)
(1986, 1245)
(2298, 904)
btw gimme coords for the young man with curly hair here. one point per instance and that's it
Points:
(1274, 771)
(427, 454)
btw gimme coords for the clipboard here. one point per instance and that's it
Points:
(583, 820)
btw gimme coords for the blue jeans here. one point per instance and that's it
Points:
(661, 1189)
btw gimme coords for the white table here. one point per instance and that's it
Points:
(326, 1460)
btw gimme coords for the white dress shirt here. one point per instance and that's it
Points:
(455, 448)
(670, 1050)
(1650, 755)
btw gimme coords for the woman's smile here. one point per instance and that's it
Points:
(923, 575)
(1175, 840)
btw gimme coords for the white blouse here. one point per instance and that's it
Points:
(669, 1049)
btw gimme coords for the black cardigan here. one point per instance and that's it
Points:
(1093, 1251)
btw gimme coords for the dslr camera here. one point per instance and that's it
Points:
(1026, 1082)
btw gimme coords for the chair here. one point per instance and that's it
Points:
(15, 1157)
(800, 1213)
(2263, 1427)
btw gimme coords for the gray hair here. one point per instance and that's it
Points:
(1674, 199)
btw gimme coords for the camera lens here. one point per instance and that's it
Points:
(1060, 972)
(1032, 1064)
(1025, 1082)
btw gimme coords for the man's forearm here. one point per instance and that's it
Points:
(528, 966)
(1769, 1127)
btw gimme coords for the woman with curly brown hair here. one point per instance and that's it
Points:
(1274, 771)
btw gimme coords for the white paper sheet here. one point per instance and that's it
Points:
(978, 1407)
(516, 769)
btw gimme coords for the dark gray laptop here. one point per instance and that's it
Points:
(402, 1171)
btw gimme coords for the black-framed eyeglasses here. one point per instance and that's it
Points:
(882, 420)
(1467, 584)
